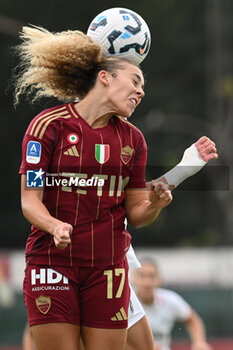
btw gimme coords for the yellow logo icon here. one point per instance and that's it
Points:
(72, 151)
(120, 316)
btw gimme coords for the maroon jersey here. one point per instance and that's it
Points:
(86, 172)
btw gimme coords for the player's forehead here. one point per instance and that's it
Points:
(134, 71)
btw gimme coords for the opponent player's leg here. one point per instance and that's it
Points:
(56, 336)
(104, 339)
(140, 336)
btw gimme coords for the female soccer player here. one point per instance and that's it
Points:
(139, 336)
(164, 307)
(82, 173)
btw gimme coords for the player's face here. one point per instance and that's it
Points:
(125, 90)
(146, 279)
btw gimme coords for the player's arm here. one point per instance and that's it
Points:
(141, 208)
(193, 160)
(196, 330)
(38, 215)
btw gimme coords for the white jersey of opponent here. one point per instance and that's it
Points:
(167, 308)
(135, 312)
(132, 259)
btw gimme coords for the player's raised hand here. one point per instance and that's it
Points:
(193, 160)
(159, 193)
(206, 148)
(61, 235)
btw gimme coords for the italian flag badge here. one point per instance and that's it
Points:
(102, 153)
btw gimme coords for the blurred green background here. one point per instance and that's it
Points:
(189, 93)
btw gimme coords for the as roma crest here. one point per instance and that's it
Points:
(43, 304)
(102, 153)
(126, 154)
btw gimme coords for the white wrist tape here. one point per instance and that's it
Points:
(190, 164)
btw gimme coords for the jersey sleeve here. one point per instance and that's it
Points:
(37, 151)
(137, 175)
(180, 307)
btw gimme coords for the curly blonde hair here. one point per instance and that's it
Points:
(62, 65)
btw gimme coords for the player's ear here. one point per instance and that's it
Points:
(103, 76)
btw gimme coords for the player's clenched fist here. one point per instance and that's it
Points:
(61, 235)
(159, 194)
(206, 148)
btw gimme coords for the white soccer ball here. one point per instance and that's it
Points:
(122, 33)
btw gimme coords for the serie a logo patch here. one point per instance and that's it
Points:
(33, 152)
(43, 304)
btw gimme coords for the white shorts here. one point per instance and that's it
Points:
(136, 311)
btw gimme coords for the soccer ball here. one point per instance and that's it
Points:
(122, 33)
